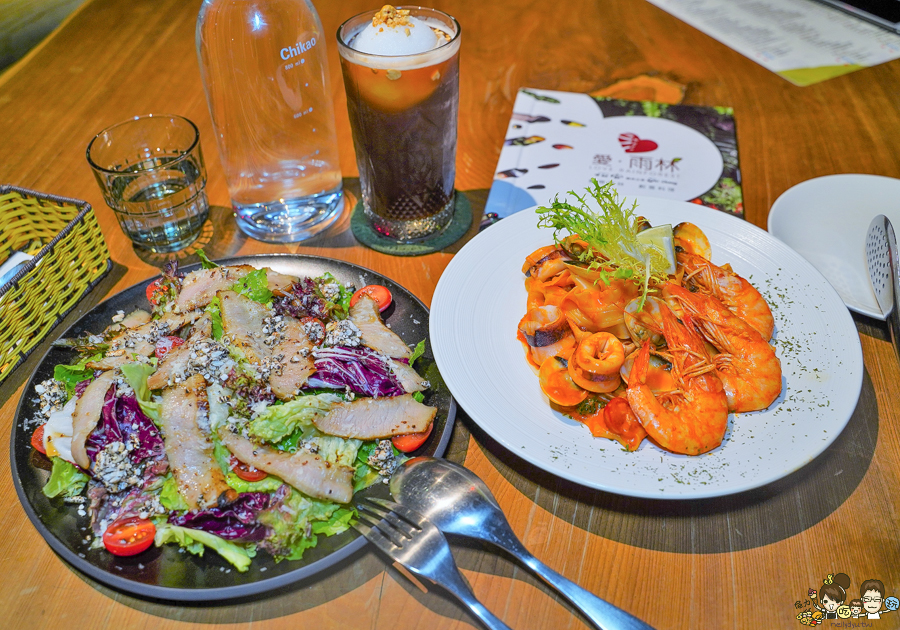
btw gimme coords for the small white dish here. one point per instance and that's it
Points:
(825, 220)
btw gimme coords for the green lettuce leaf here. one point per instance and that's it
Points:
(170, 498)
(255, 286)
(366, 475)
(339, 522)
(269, 484)
(65, 479)
(363, 477)
(339, 306)
(71, 375)
(195, 540)
(137, 374)
(289, 523)
(336, 450)
(418, 351)
(214, 308)
(279, 421)
(205, 262)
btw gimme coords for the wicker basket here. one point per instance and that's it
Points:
(70, 257)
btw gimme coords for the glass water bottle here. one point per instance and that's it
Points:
(265, 72)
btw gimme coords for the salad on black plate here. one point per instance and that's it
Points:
(241, 414)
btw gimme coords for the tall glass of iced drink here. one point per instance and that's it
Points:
(401, 73)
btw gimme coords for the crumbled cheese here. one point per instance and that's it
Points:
(270, 365)
(114, 468)
(207, 357)
(123, 387)
(51, 397)
(314, 330)
(153, 332)
(382, 459)
(342, 333)
(309, 446)
(330, 290)
(273, 330)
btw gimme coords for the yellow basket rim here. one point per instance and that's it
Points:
(84, 206)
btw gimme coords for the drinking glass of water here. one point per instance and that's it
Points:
(151, 172)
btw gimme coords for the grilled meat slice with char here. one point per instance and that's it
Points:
(408, 377)
(296, 360)
(175, 363)
(243, 321)
(190, 452)
(373, 418)
(142, 339)
(87, 415)
(375, 334)
(199, 287)
(307, 472)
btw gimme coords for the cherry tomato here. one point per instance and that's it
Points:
(164, 344)
(411, 441)
(129, 536)
(37, 440)
(155, 290)
(380, 294)
(246, 471)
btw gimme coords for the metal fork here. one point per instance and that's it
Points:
(410, 539)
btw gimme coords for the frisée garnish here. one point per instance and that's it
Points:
(604, 238)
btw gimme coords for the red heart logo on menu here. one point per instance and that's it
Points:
(633, 144)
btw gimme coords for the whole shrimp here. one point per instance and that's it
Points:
(731, 289)
(747, 365)
(691, 419)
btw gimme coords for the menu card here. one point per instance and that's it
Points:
(800, 40)
(557, 141)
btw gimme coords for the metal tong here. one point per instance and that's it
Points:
(884, 273)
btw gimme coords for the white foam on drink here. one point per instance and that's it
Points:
(409, 39)
(443, 47)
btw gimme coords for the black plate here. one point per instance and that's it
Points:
(164, 572)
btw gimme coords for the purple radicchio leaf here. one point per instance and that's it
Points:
(120, 419)
(236, 521)
(133, 421)
(170, 272)
(365, 372)
(106, 508)
(81, 386)
(302, 301)
(107, 429)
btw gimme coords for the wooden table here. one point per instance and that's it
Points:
(738, 562)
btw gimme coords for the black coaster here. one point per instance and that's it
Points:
(458, 226)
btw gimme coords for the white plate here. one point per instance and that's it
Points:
(825, 219)
(481, 297)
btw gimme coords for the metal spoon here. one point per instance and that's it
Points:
(458, 502)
